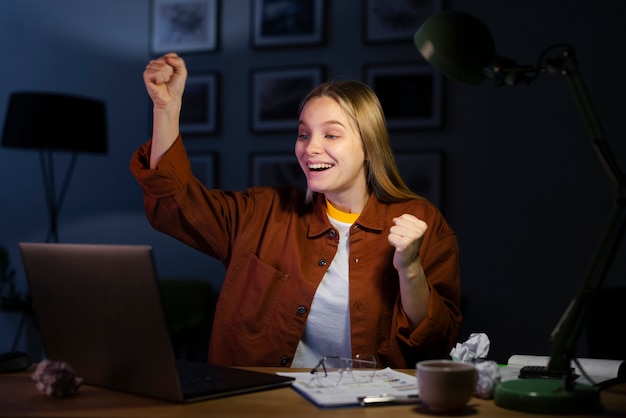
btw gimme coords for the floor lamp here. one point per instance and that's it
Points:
(461, 47)
(51, 122)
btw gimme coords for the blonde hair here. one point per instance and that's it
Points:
(361, 104)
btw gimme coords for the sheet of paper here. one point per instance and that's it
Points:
(347, 392)
(598, 370)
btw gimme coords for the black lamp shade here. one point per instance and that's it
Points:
(55, 122)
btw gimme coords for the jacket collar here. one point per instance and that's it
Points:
(372, 218)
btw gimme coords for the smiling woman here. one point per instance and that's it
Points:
(331, 154)
(357, 264)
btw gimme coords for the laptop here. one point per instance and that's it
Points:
(99, 309)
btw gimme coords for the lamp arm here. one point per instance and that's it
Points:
(506, 72)
(569, 69)
(566, 333)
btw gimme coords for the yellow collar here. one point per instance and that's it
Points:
(339, 215)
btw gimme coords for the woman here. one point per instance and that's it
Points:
(358, 266)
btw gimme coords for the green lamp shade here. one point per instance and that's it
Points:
(457, 44)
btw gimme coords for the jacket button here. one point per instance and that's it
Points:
(322, 262)
(301, 310)
(284, 361)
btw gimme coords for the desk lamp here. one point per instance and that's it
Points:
(54, 122)
(51, 122)
(462, 48)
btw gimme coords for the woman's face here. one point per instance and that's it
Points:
(330, 152)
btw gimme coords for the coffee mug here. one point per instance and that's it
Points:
(445, 385)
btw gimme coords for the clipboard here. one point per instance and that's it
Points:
(388, 387)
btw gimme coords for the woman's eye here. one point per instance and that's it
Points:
(303, 136)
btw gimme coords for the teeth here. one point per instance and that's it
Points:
(319, 166)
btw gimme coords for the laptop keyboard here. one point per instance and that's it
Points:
(196, 385)
(202, 380)
(193, 379)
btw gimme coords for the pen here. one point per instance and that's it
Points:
(385, 399)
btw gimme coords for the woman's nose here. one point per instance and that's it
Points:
(313, 145)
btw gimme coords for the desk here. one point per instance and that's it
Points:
(19, 398)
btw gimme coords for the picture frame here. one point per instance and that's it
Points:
(204, 167)
(287, 23)
(386, 21)
(422, 172)
(411, 95)
(276, 94)
(184, 26)
(276, 170)
(200, 109)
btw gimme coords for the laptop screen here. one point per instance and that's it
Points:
(99, 309)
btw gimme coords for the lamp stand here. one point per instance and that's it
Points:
(547, 396)
(461, 47)
(54, 203)
(566, 396)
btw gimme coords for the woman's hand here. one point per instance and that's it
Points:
(406, 237)
(165, 80)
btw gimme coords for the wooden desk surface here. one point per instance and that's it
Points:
(20, 398)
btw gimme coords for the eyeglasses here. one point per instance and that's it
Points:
(331, 369)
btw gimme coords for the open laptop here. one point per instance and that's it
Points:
(99, 309)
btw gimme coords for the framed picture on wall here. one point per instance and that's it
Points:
(422, 172)
(411, 95)
(276, 94)
(199, 114)
(204, 167)
(396, 20)
(278, 169)
(183, 26)
(287, 23)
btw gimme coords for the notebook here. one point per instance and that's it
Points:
(99, 309)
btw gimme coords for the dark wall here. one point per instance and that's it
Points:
(521, 184)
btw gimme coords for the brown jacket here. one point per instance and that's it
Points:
(277, 249)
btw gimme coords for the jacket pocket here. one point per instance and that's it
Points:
(249, 297)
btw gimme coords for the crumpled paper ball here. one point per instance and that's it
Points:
(476, 347)
(488, 377)
(475, 350)
(56, 378)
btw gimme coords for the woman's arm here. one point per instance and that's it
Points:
(406, 237)
(165, 79)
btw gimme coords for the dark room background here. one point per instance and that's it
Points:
(519, 180)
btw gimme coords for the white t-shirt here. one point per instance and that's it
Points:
(327, 331)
